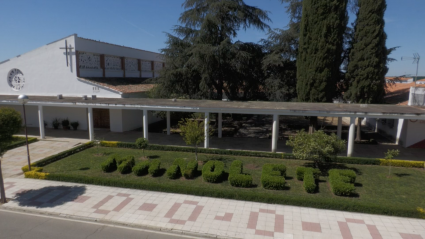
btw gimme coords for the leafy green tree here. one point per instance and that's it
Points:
(322, 29)
(367, 65)
(10, 124)
(389, 155)
(201, 59)
(193, 132)
(317, 146)
(142, 143)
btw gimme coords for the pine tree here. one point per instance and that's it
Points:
(322, 28)
(202, 61)
(368, 56)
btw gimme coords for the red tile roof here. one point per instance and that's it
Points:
(398, 93)
(122, 85)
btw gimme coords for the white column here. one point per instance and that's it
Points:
(220, 125)
(339, 128)
(145, 124)
(41, 122)
(207, 126)
(275, 132)
(351, 134)
(399, 130)
(168, 123)
(90, 121)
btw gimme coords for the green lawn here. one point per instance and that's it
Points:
(398, 195)
(18, 141)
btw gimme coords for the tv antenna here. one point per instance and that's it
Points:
(416, 57)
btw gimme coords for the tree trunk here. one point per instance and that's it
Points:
(2, 191)
(359, 129)
(313, 124)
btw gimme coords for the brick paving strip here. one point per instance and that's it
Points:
(203, 216)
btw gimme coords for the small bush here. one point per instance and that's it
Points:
(236, 176)
(309, 181)
(273, 176)
(191, 169)
(109, 165)
(36, 175)
(109, 143)
(342, 181)
(120, 160)
(25, 168)
(126, 165)
(300, 173)
(173, 172)
(181, 163)
(213, 171)
(141, 168)
(155, 167)
(402, 163)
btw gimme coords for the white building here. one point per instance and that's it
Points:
(77, 67)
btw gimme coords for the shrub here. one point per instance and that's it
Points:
(300, 173)
(142, 143)
(213, 171)
(273, 176)
(109, 143)
(129, 158)
(191, 169)
(309, 181)
(154, 167)
(173, 172)
(236, 176)
(19, 143)
(402, 163)
(318, 146)
(25, 168)
(181, 163)
(342, 181)
(36, 175)
(109, 165)
(125, 167)
(141, 168)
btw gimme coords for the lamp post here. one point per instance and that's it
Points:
(23, 99)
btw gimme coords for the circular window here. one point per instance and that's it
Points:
(16, 79)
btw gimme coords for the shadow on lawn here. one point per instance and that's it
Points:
(400, 175)
(49, 196)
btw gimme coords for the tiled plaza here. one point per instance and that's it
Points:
(204, 216)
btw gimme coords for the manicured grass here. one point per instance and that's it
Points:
(400, 194)
(18, 141)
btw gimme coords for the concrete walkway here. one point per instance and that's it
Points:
(14, 159)
(202, 216)
(255, 144)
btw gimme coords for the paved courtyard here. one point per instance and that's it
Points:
(14, 159)
(203, 216)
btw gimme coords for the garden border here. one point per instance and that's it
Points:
(21, 143)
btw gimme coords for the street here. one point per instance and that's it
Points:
(24, 225)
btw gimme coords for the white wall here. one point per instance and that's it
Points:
(46, 73)
(115, 50)
(415, 132)
(115, 119)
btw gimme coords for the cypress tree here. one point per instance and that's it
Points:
(368, 57)
(323, 24)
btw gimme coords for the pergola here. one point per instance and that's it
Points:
(236, 107)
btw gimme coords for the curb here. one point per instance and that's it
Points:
(114, 223)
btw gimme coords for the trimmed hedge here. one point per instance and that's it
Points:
(191, 169)
(273, 176)
(36, 175)
(181, 163)
(236, 176)
(213, 171)
(309, 183)
(245, 195)
(109, 165)
(25, 168)
(173, 172)
(125, 167)
(154, 167)
(402, 163)
(21, 142)
(339, 159)
(342, 181)
(141, 168)
(300, 173)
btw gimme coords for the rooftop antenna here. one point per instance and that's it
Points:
(416, 57)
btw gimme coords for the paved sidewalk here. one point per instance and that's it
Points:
(14, 159)
(202, 216)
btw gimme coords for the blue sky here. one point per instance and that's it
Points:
(29, 24)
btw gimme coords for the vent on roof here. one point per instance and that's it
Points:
(84, 97)
(93, 97)
(60, 97)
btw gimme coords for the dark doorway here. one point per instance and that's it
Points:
(101, 118)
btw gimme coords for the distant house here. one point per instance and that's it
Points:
(78, 67)
(408, 133)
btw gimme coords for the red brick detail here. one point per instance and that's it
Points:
(268, 211)
(227, 217)
(11, 185)
(123, 195)
(253, 219)
(278, 223)
(373, 230)
(311, 227)
(103, 201)
(122, 204)
(173, 210)
(81, 199)
(195, 213)
(190, 202)
(345, 230)
(264, 233)
(410, 236)
(193, 216)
